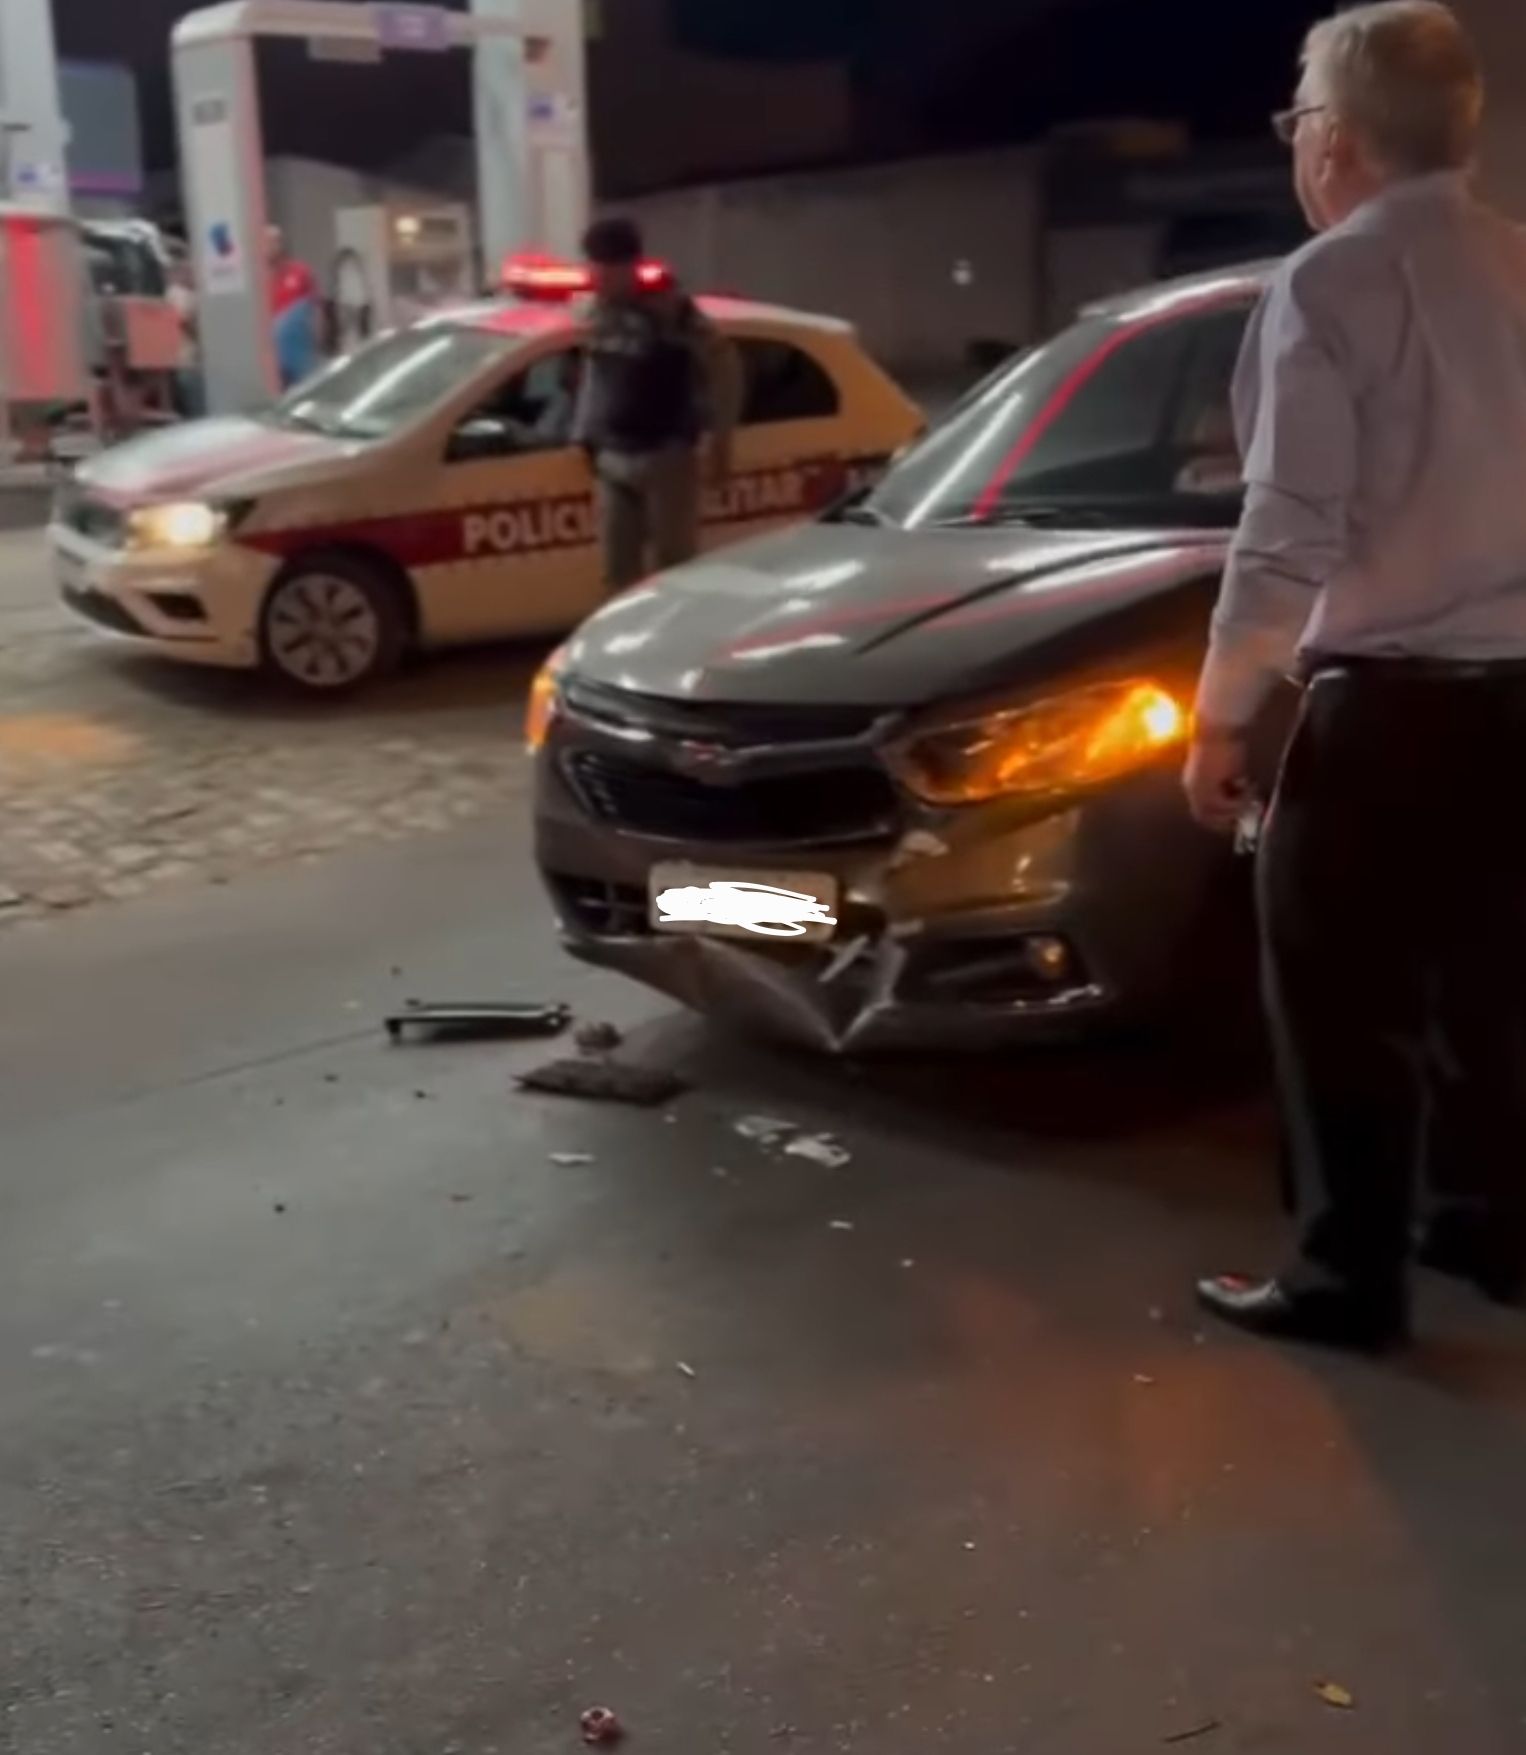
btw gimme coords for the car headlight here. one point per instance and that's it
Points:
(545, 692)
(176, 524)
(1063, 744)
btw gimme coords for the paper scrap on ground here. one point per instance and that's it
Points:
(820, 1148)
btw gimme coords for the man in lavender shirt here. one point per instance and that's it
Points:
(1381, 560)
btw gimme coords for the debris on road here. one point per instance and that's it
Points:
(600, 1727)
(842, 1225)
(765, 1130)
(278, 1206)
(604, 1081)
(598, 1038)
(1205, 1729)
(572, 1160)
(772, 1133)
(686, 1368)
(478, 1019)
(820, 1148)
(1333, 1694)
(1144, 1380)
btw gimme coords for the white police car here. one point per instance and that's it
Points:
(421, 493)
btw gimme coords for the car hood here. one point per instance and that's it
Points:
(857, 616)
(230, 455)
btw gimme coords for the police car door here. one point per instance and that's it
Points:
(789, 458)
(524, 556)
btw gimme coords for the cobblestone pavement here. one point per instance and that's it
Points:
(120, 773)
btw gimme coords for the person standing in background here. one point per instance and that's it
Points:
(190, 397)
(1382, 558)
(294, 311)
(659, 375)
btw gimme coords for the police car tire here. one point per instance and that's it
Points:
(357, 586)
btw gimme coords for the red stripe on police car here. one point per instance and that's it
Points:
(545, 525)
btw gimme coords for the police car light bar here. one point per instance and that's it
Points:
(531, 276)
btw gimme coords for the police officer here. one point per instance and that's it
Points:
(659, 377)
(1382, 556)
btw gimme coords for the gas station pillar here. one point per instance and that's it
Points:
(532, 127)
(33, 147)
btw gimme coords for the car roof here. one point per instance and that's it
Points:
(1246, 281)
(527, 320)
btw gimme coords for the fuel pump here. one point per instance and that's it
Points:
(395, 264)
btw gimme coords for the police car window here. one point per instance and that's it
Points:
(392, 382)
(784, 383)
(531, 410)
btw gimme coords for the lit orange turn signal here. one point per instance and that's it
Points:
(540, 709)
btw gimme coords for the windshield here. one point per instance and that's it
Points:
(1115, 422)
(391, 382)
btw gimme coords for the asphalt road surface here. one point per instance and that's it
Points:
(339, 1419)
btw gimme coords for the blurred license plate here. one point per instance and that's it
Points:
(762, 907)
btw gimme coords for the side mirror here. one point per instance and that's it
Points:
(477, 440)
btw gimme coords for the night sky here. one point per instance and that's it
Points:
(928, 73)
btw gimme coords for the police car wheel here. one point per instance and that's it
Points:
(330, 624)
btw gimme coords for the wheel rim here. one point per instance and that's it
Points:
(323, 631)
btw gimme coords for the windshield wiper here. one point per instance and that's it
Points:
(854, 508)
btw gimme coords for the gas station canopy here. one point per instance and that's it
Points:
(530, 118)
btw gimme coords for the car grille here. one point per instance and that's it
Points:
(815, 806)
(94, 519)
(731, 726)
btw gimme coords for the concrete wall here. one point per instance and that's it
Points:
(1087, 262)
(1499, 28)
(889, 248)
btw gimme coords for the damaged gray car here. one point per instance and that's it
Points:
(908, 776)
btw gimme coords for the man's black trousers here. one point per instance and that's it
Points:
(1393, 910)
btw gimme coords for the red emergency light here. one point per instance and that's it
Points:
(528, 275)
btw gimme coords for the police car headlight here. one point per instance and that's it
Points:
(1084, 738)
(545, 694)
(177, 524)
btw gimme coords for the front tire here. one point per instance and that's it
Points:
(331, 623)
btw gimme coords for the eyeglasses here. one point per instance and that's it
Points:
(1285, 122)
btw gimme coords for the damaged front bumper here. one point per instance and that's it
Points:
(958, 932)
